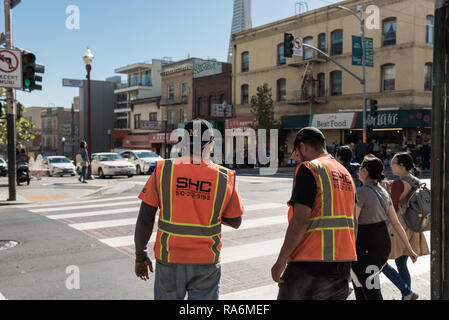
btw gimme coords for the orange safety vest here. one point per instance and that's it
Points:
(330, 234)
(192, 200)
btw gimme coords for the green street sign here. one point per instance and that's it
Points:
(357, 51)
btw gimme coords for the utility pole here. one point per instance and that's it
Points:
(439, 262)
(10, 110)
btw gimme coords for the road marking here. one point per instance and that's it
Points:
(103, 224)
(252, 250)
(101, 205)
(76, 202)
(125, 241)
(267, 205)
(93, 213)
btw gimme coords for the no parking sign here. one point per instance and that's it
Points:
(10, 69)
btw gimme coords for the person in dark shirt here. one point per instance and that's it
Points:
(344, 156)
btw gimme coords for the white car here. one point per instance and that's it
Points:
(58, 165)
(145, 160)
(3, 167)
(111, 164)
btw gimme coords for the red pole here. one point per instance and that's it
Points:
(89, 134)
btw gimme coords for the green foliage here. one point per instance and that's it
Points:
(262, 107)
(23, 126)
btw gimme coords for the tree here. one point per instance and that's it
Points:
(262, 107)
(23, 126)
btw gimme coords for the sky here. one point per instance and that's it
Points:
(123, 32)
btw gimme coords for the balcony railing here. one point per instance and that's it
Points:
(135, 84)
(122, 105)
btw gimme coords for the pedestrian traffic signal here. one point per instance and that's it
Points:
(19, 110)
(373, 107)
(288, 45)
(419, 134)
(29, 70)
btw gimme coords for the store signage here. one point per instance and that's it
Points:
(222, 110)
(334, 120)
(203, 68)
(177, 68)
(149, 125)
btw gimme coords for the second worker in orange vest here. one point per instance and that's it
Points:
(195, 197)
(319, 243)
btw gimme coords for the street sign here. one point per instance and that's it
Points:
(357, 51)
(72, 83)
(297, 46)
(10, 69)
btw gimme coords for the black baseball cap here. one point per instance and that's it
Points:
(308, 133)
(205, 125)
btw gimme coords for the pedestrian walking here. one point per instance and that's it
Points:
(85, 161)
(344, 155)
(402, 166)
(315, 259)
(374, 208)
(195, 199)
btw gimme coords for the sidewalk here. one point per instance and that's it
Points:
(62, 191)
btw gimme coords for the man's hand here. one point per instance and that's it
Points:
(142, 269)
(277, 269)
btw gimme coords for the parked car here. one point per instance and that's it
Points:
(111, 164)
(144, 160)
(3, 168)
(58, 165)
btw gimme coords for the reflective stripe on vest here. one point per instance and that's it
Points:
(169, 228)
(327, 223)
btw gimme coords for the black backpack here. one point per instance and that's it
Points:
(417, 214)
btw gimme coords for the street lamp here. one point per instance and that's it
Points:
(88, 59)
(362, 32)
(63, 141)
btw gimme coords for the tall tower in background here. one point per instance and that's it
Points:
(241, 20)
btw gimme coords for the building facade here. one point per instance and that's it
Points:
(311, 90)
(33, 115)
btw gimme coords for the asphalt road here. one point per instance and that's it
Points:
(81, 246)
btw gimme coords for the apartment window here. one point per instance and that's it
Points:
(171, 92)
(133, 95)
(388, 77)
(429, 29)
(137, 121)
(153, 116)
(171, 117)
(281, 90)
(336, 42)
(134, 79)
(211, 103)
(202, 106)
(308, 53)
(184, 89)
(184, 116)
(336, 83)
(146, 78)
(245, 94)
(245, 61)
(389, 32)
(281, 59)
(322, 44)
(428, 77)
(321, 85)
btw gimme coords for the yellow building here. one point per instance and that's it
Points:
(400, 79)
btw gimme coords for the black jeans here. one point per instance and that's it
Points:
(373, 247)
(315, 281)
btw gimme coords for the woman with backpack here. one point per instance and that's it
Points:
(402, 166)
(373, 209)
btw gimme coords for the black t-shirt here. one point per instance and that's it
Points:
(304, 192)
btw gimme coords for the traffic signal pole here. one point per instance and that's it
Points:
(439, 236)
(10, 111)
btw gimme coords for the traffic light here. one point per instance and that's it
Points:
(419, 134)
(288, 45)
(373, 107)
(29, 70)
(19, 110)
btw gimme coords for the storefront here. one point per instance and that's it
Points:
(154, 141)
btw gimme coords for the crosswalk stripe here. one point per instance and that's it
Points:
(103, 224)
(93, 213)
(250, 251)
(101, 205)
(125, 241)
(50, 205)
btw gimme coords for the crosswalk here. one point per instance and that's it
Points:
(112, 222)
(247, 254)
